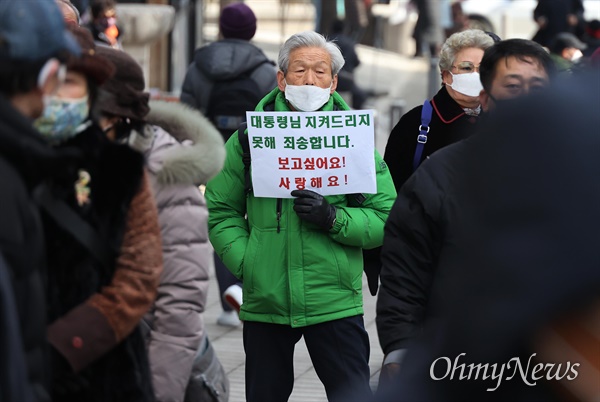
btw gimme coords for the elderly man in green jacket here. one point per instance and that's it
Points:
(300, 259)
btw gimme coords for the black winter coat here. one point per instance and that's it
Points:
(74, 274)
(449, 124)
(422, 223)
(14, 384)
(26, 161)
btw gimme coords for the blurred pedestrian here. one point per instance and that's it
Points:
(103, 255)
(300, 258)
(33, 48)
(591, 37)
(231, 59)
(422, 230)
(182, 150)
(520, 300)
(566, 50)
(103, 24)
(556, 16)
(226, 79)
(346, 82)
(428, 32)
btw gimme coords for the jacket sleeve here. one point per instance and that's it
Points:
(93, 328)
(227, 226)
(176, 325)
(362, 226)
(410, 250)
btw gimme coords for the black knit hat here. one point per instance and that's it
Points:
(237, 21)
(125, 90)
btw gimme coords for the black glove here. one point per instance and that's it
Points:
(314, 208)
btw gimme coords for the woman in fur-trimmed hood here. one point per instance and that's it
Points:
(182, 151)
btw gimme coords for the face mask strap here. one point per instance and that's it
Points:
(51, 65)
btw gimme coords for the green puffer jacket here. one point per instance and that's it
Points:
(298, 275)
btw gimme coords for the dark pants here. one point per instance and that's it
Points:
(225, 279)
(339, 351)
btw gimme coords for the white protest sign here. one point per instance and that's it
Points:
(326, 152)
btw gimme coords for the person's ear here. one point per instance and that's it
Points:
(484, 100)
(446, 77)
(281, 81)
(334, 83)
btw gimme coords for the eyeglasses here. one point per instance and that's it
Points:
(465, 67)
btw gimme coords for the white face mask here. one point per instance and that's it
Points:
(577, 54)
(467, 84)
(307, 98)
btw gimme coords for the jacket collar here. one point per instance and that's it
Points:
(445, 107)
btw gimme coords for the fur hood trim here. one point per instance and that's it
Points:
(194, 164)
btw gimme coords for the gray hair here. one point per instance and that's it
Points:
(462, 40)
(310, 39)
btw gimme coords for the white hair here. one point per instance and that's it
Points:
(310, 39)
(462, 40)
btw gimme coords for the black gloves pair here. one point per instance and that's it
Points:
(314, 208)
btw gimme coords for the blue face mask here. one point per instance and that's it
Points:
(62, 118)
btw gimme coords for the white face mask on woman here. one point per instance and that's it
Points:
(467, 84)
(307, 98)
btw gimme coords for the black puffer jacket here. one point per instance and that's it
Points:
(226, 60)
(25, 162)
(423, 224)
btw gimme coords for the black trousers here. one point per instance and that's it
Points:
(339, 351)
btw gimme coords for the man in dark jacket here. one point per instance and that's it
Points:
(422, 227)
(32, 35)
(525, 266)
(227, 59)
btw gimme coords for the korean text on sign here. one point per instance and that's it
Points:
(327, 152)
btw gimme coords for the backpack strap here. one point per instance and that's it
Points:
(423, 131)
(246, 157)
